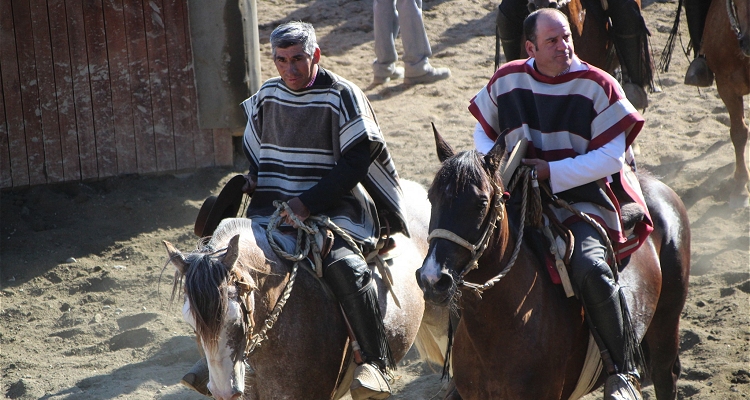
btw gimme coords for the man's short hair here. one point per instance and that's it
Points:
(529, 24)
(293, 33)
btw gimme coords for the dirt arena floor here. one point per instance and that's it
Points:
(83, 314)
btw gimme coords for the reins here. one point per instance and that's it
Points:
(306, 244)
(529, 177)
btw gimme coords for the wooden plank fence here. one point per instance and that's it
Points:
(96, 88)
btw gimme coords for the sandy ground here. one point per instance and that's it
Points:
(82, 313)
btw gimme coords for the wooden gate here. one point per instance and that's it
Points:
(97, 88)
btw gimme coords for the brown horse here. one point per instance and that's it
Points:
(522, 338)
(235, 285)
(726, 45)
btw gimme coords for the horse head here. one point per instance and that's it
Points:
(467, 203)
(218, 305)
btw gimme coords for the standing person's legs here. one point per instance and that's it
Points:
(417, 68)
(413, 37)
(385, 26)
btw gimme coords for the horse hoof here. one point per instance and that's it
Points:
(636, 95)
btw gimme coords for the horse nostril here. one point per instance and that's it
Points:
(444, 284)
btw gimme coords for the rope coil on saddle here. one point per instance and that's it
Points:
(306, 243)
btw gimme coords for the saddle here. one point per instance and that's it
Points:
(555, 241)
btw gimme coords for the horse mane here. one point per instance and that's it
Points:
(456, 173)
(207, 280)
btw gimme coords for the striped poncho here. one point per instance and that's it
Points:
(563, 117)
(294, 138)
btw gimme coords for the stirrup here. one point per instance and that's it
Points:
(197, 378)
(622, 387)
(369, 383)
(699, 74)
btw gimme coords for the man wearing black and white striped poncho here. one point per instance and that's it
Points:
(313, 141)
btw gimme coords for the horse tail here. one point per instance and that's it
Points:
(666, 54)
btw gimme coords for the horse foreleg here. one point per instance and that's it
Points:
(739, 133)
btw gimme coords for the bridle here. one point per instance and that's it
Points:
(496, 215)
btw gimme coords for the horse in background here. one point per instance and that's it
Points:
(726, 46)
(519, 336)
(234, 285)
(590, 30)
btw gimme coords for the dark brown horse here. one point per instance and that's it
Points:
(271, 331)
(522, 338)
(726, 45)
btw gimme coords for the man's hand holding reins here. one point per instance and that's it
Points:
(299, 209)
(541, 166)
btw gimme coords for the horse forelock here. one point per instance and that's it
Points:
(206, 290)
(456, 175)
(207, 281)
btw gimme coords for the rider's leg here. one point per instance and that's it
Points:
(510, 16)
(594, 282)
(631, 42)
(698, 73)
(351, 281)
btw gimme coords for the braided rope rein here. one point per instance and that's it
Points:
(528, 176)
(480, 288)
(305, 244)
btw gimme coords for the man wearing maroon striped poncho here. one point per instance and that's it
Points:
(580, 126)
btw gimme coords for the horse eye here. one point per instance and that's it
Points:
(483, 204)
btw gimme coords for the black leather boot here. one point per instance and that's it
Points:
(350, 280)
(611, 327)
(509, 30)
(630, 36)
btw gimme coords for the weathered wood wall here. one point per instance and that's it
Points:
(97, 88)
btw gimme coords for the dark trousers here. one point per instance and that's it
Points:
(695, 13)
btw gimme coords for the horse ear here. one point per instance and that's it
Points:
(496, 156)
(444, 150)
(176, 257)
(233, 252)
